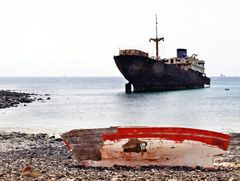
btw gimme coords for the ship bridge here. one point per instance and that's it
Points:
(185, 62)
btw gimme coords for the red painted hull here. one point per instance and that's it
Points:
(136, 146)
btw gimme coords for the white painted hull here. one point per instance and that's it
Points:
(159, 152)
(145, 151)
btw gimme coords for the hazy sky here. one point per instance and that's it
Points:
(79, 38)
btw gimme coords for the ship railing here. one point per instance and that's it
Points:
(155, 58)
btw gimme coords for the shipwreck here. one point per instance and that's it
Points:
(145, 73)
(144, 146)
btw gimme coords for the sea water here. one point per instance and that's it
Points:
(92, 102)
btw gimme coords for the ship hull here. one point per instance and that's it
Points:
(144, 146)
(146, 74)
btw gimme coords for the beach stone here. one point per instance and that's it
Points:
(58, 139)
(45, 159)
(115, 179)
(29, 172)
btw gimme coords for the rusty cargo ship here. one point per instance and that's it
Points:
(146, 73)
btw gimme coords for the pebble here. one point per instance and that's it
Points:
(41, 157)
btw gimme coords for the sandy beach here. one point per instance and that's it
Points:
(43, 157)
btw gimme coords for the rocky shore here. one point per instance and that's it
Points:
(13, 99)
(43, 157)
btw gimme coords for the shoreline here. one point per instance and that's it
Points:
(13, 99)
(9, 98)
(42, 157)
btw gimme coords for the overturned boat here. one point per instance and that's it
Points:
(144, 146)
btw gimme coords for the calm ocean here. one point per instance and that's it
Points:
(84, 102)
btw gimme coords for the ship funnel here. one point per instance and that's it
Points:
(181, 53)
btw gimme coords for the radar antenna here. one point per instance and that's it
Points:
(156, 40)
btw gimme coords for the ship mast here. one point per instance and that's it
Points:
(156, 40)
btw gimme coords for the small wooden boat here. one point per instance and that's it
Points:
(143, 146)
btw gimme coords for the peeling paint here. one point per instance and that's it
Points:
(136, 146)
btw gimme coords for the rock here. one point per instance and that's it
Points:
(27, 169)
(115, 179)
(12, 99)
(29, 172)
(58, 139)
(52, 137)
(25, 100)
